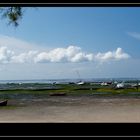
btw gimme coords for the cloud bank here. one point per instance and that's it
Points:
(71, 54)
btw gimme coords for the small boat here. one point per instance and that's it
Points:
(120, 85)
(57, 94)
(3, 103)
(80, 83)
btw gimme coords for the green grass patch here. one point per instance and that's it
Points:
(69, 89)
(8, 107)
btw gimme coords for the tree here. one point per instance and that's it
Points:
(13, 14)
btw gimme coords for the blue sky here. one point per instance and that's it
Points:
(55, 42)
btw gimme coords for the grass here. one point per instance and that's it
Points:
(70, 89)
(8, 107)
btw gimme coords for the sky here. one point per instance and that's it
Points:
(56, 42)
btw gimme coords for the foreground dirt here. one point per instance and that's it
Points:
(72, 109)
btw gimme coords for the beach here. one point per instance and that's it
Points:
(72, 109)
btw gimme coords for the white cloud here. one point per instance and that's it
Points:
(69, 54)
(134, 35)
(24, 57)
(119, 54)
(5, 54)
(115, 55)
(13, 50)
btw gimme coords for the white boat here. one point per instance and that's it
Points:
(80, 83)
(104, 84)
(120, 85)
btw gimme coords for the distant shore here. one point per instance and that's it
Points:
(72, 109)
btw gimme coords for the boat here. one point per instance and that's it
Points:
(80, 83)
(104, 84)
(120, 85)
(57, 94)
(3, 103)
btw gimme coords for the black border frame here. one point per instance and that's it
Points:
(72, 3)
(70, 129)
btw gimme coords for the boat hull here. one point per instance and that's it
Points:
(3, 103)
(58, 94)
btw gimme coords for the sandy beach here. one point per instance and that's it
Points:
(72, 109)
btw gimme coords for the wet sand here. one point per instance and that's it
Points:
(72, 109)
